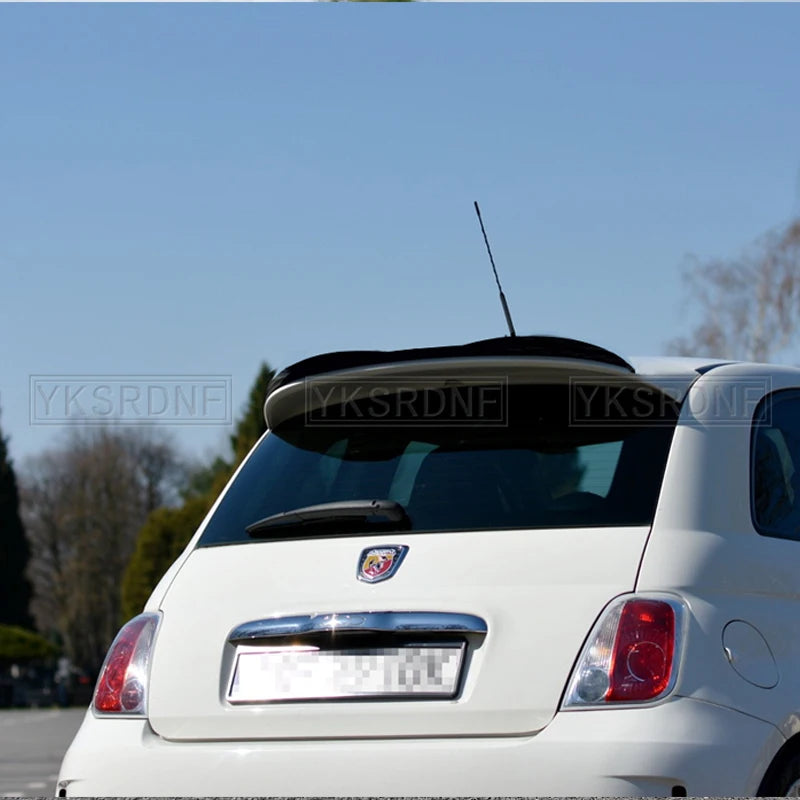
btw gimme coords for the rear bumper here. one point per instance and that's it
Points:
(707, 749)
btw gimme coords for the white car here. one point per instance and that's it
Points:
(522, 566)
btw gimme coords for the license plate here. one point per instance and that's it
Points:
(271, 674)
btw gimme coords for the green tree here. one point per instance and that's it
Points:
(252, 424)
(203, 479)
(160, 541)
(18, 644)
(167, 531)
(15, 591)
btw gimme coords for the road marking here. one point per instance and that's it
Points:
(36, 785)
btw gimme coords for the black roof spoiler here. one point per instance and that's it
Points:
(537, 346)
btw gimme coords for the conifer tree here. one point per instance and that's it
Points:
(252, 423)
(15, 591)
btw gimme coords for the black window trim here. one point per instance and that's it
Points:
(771, 397)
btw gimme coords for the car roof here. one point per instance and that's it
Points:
(674, 365)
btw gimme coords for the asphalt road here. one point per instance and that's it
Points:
(32, 744)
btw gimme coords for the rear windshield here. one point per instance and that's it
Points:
(538, 467)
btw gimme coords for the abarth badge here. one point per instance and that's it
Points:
(380, 563)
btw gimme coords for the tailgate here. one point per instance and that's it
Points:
(538, 592)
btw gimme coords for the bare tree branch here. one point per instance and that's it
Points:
(83, 503)
(750, 305)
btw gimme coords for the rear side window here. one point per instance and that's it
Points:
(775, 465)
(539, 470)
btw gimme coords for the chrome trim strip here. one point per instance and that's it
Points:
(366, 622)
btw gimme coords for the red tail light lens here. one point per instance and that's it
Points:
(122, 685)
(631, 655)
(641, 664)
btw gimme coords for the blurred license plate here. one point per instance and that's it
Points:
(269, 674)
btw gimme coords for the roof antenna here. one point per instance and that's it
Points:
(497, 280)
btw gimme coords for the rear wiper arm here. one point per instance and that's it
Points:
(366, 512)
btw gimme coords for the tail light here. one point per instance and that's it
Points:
(631, 655)
(122, 685)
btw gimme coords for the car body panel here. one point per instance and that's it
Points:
(734, 706)
(700, 747)
(704, 546)
(539, 592)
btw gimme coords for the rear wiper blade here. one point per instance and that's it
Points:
(364, 513)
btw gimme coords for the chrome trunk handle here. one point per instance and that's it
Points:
(418, 622)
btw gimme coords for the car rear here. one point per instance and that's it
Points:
(422, 582)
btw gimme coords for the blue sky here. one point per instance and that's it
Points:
(191, 189)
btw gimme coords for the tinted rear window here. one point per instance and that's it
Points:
(537, 470)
